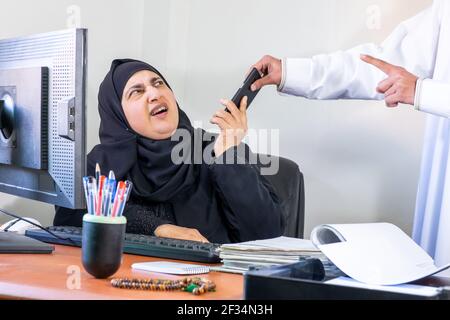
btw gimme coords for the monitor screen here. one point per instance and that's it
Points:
(42, 117)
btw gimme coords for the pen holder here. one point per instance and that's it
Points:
(102, 244)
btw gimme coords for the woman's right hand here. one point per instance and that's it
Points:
(176, 232)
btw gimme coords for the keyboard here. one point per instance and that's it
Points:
(142, 245)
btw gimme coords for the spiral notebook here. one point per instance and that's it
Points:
(170, 267)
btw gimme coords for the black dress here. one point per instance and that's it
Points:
(225, 202)
(246, 201)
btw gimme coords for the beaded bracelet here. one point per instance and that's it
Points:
(196, 286)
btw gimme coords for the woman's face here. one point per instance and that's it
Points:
(150, 106)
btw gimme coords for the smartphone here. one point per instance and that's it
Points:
(245, 89)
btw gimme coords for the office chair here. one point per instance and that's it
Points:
(289, 185)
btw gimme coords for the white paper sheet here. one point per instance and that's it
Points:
(375, 253)
(412, 289)
(280, 244)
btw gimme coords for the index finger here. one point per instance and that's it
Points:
(380, 64)
(231, 107)
(261, 65)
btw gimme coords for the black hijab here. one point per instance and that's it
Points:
(147, 163)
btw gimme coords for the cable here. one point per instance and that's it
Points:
(35, 224)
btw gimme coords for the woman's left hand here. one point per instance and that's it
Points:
(233, 125)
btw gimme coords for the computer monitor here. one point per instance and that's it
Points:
(42, 117)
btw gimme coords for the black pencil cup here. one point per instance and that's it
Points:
(102, 244)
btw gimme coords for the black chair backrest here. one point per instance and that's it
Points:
(289, 185)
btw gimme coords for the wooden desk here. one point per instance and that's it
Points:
(45, 276)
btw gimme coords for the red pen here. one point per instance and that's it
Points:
(101, 183)
(121, 187)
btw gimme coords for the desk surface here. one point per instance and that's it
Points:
(45, 276)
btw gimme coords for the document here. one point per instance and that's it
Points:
(413, 289)
(374, 253)
(285, 245)
(240, 257)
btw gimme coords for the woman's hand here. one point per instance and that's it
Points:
(176, 232)
(233, 125)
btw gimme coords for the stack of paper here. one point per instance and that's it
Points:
(239, 257)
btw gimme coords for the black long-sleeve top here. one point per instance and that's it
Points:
(247, 203)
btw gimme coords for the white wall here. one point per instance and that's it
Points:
(360, 159)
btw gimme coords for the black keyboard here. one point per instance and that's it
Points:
(138, 244)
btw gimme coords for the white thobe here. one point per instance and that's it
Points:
(422, 46)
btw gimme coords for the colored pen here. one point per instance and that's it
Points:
(129, 185)
(112, 190)
(119, 196)
(89, 185)
(105, 195)
(86, 187)
(99, 203)
(126, 196)
(92, 192)
(97, 172)
(110, 199)
(121, 206)
(113, 194)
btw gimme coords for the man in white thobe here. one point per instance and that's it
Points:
(411, 66)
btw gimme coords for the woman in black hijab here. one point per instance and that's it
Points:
(174, 194)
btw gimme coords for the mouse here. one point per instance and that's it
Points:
(19, 226)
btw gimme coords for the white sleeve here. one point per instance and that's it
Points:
(434, 97)
(343, 75)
